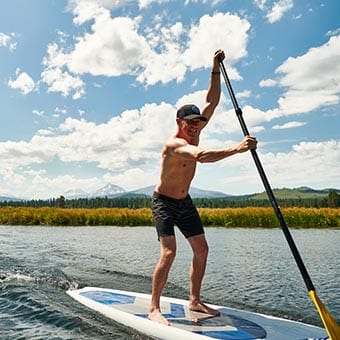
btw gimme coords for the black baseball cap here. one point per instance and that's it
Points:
(190, 111)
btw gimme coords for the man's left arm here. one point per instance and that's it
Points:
(214, 90)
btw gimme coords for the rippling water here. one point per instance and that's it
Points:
(250, 269)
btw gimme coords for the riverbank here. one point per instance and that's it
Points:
(223, 217)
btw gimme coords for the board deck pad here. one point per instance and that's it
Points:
(131, 309)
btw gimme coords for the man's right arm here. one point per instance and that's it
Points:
(214, 90)
(192, 152)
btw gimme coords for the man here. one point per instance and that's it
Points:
(171, 203)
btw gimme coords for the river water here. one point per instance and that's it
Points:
(250, 269)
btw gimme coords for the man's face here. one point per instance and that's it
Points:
(190, 127)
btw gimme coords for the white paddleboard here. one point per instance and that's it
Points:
(131, 309)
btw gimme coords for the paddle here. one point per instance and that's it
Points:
(329, 322)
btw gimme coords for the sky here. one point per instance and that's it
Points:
(89, 91)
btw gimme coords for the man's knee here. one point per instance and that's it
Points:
(168, 250)
(203, 250)
(167, 257)
(169, 254)
(199, 245)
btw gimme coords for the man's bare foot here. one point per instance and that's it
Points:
(201, 307)
(157, 316)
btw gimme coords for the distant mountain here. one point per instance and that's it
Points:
(199, 193)
(296, 193)
(75, 193)
(8, 199)
(114, 191)
(145, 191)
(109, 190)
(308, 190)
(194, 192)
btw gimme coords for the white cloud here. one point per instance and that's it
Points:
(34, 173)
(128, 141)
(288, 125)
(278, 10)
(38, 113)
(23, 82)
(261, 4)
(125, 142)
(225, 120)
(4, 39)
(46, 187)
(57, 78)
(44, 132)
(267, 83)
(114, 46)
(312, 80)
(212, 2)
(293, 168)
(145, 3)
(297, 167)
(244, 94)
(63, 82)
(130, 179)
(84, 10)
(7, 41)
(220, 31)
(60, 110)
(182, 48)
(275, 10)
(256, 129)
(128, 148)
(334, 32)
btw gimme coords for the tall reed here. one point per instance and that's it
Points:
(227, 217)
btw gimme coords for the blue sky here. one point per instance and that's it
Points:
(89, 91)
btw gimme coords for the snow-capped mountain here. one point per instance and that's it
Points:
(75, 193)
(108, 190)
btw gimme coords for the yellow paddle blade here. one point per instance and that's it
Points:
(330, 324)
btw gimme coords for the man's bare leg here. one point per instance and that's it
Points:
(200, 254)
(160, 276)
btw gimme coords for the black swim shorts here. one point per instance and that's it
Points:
(168, 212)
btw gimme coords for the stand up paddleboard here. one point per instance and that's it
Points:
(131, 309)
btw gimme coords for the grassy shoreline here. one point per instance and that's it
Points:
(219, 217)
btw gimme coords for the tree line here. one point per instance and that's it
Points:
(332, 200)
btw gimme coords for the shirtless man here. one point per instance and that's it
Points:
(171, 203)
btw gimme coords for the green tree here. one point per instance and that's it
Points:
(333, 199)
(60, 202)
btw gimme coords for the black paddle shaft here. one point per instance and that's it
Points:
(266, 184)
